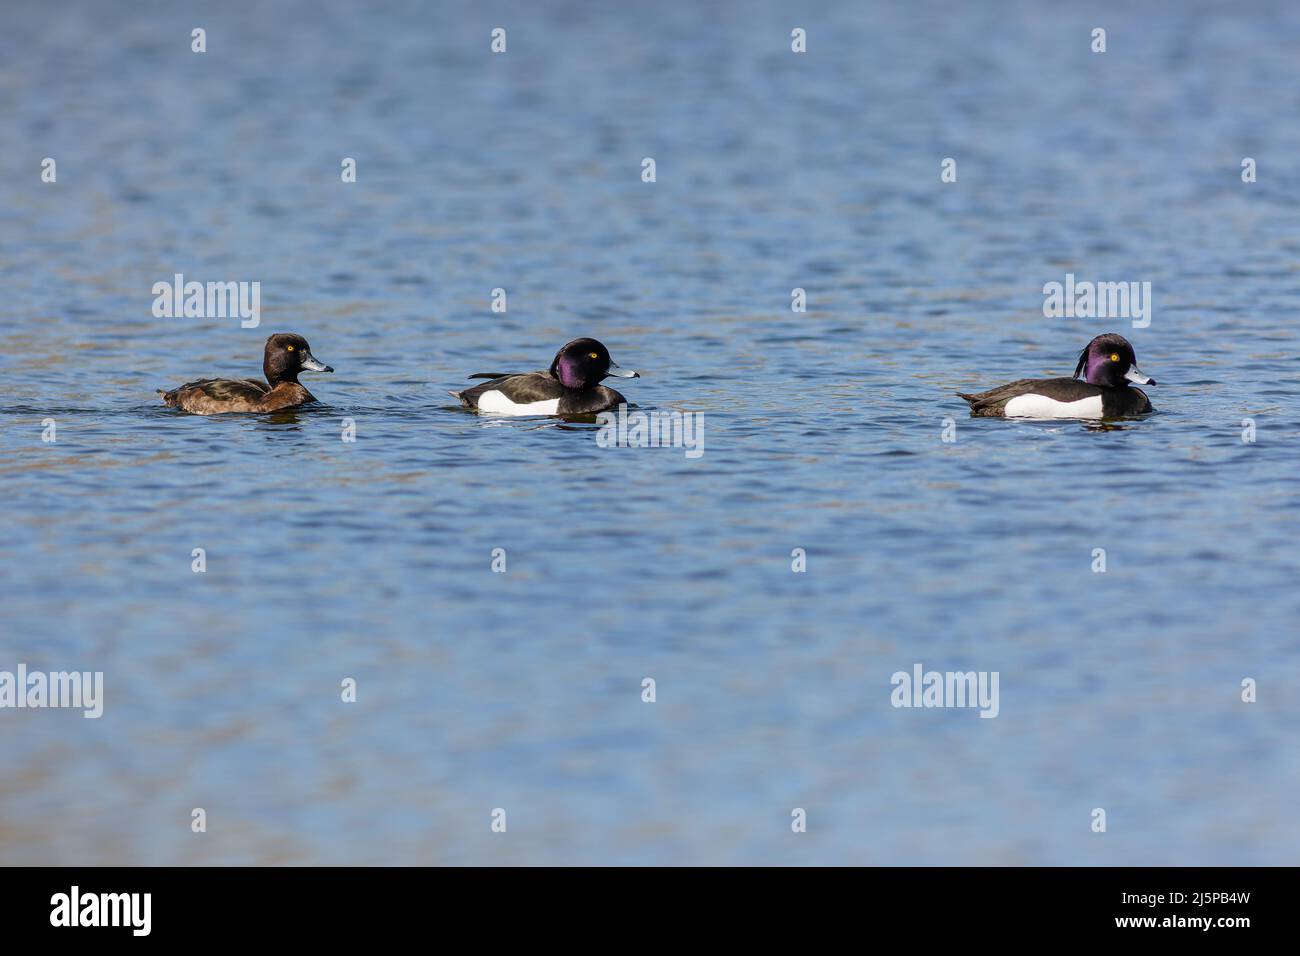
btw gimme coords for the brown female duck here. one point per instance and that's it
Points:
(285, 356)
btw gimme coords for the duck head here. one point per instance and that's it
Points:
(584, 363)
(1109, 361)
(286, 355)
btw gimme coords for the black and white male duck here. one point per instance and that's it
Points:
(571, 386)
(283, 358)
(1107, 366)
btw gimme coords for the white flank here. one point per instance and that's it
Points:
(498, 404)
(1040, 406)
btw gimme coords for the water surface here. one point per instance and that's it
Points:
(372, 559)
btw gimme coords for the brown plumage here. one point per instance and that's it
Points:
(283, 358)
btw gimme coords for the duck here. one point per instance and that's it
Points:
(571, 386)
(286, 354)
(1107, 366)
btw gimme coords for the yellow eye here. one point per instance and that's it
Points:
(1114, 356)
(290, 348)
(592, 355)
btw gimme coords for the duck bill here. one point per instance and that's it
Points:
(622, 372)
(1134, 374)
(312, 364)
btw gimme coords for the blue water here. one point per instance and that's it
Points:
(522, 690)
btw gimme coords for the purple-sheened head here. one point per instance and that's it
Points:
(1109, 361)
(584, 363)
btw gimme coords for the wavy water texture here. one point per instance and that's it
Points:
(522, 690)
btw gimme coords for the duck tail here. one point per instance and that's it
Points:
(970, 398)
